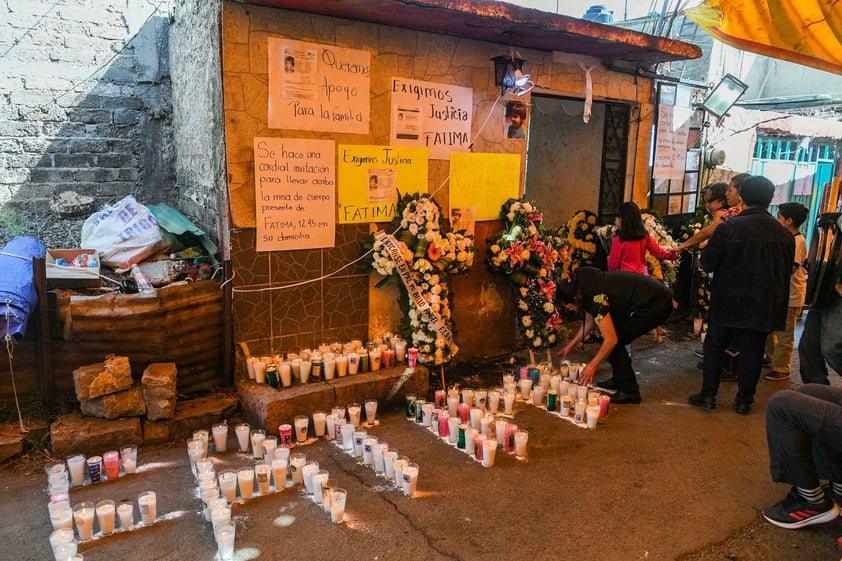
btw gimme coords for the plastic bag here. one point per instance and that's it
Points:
(125, 233)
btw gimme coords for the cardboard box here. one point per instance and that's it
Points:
(59, 276)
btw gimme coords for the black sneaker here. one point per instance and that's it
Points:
(608, 384)
(828, 492)
(702, 402)
(794, 512)
(699, 353)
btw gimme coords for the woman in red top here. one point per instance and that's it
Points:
(629, 246)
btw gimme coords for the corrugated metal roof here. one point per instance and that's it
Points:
(500, 22)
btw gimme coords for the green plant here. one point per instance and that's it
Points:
(11, 224)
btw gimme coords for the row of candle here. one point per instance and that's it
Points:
(78, 470)
(64, 542)
(329, 361)
(376, 454)
(478, 433)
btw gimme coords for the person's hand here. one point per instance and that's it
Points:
(565, 351)
(586, 375)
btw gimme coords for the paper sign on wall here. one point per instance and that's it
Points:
(371, 176)
(429, 114)
(316, 87)
(671, 142)
(484, 181)
(295, 182)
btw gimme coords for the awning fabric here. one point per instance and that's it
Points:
(807, 32)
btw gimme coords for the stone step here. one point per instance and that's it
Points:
(74, 434)
(266, 407)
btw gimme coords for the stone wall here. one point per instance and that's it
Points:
(86, 90)
(197, 104)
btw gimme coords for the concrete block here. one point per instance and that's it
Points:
(388, 386)
(127, 403)
(201, 413)
(155, 432)
(74, 434)
(159, 390)
(265, 407)
(103, 378)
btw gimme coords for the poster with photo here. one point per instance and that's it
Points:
(463, 218)
(382, 185)
(315, 87)
(431, 114)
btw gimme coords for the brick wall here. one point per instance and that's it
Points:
(85, 91)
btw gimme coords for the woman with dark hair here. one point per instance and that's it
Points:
(624, 306)
(721, 206)
(629, 246)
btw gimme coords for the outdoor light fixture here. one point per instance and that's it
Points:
(508, 73)
(724, 96)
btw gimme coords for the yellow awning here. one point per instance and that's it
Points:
(807, 32)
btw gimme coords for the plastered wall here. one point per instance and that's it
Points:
(273, 318)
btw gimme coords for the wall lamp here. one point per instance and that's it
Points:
(508, 74)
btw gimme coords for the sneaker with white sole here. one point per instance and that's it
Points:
(776, 376)
(794, 512)
(700, 352)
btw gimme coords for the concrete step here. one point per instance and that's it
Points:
(266, 407)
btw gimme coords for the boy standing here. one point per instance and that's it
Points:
(779, 344)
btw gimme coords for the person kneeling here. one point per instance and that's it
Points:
(624, 305)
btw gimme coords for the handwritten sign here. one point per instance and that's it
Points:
(484, 181)
(294, 181)
(671, 142)
(371, 176)
(316, 87)
(429, 114)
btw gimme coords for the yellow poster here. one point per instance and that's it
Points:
(484, 181)
(294, 181)
(371, 176)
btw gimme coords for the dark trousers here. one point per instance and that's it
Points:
(821, 341)
(750, 343)
(804, 434)
(628, 330)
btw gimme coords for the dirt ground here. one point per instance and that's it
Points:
(659, 481)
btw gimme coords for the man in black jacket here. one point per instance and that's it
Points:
(750, 257)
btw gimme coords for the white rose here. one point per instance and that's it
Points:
(510, 216)
(526, 321)
(530, 333)
(537, 342)
(523, 291)
(548, 307)
(522, 305)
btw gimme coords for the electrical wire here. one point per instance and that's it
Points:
(370, 251)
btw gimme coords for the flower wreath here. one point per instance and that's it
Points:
(663, 270)
(432, 255)
(579, 236)
(528, 254)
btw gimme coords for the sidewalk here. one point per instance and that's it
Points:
(659, 481)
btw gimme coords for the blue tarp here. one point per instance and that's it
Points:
(18, 297)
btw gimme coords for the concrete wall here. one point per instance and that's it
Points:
(272, 316)
(197, 106)
(85, 88)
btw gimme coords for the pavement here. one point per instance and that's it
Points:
(657, 481)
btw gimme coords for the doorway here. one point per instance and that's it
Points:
(572, 165)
